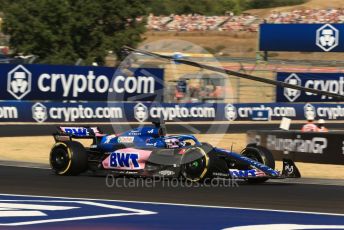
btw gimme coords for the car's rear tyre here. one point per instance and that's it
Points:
(195, 164)
(262, 155)
(68, 158)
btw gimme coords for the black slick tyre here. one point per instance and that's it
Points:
(68, 158)
(262, 155)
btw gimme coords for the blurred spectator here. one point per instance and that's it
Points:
(309, 126)
(180, 90)
(308, 16)
(248, 23)
(218, 92)
(194, 93)
(196, 22)
(321, 126)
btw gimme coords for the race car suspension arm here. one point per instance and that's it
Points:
(234, 73)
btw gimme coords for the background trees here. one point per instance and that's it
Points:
(61, 31)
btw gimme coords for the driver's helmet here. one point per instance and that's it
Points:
(172, 143)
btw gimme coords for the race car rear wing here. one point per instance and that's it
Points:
(67, 133)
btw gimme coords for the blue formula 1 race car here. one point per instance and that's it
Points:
(149, 152)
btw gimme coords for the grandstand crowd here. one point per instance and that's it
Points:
(243, 22)
(196, 22)
(236, 23)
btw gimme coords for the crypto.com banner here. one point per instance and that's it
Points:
(302, 37)
(330, 82)
(82, 83)
(172, 112)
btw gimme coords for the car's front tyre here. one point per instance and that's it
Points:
(195, 164)
(262, 155)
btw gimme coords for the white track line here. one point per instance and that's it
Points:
(177, 204)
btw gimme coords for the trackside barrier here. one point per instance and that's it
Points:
(81, 83)
(329, 82)
(312, 147)
(301, 37)
(24, 111)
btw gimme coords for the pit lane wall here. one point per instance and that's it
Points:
(312, 147)
(105, 112)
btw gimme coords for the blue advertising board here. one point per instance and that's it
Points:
(34, 212)
(82, 83)
(330, 82)
(57, 112)
(302, 37)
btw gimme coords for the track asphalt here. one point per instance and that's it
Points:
(35, 198)
(272, 195)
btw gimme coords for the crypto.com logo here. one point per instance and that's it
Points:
(292, 94)
(19, 82)
(230, 112)
(327, 37)
(39, 112)
(309, 112)
(140, 112)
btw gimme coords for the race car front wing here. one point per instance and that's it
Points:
(258, 169)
